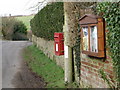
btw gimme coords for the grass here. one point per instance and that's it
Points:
(26, 20)
(45, 67)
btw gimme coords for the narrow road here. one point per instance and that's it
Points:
(0, 64)
(11, 60)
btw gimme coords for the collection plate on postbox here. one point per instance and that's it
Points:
(59, 44)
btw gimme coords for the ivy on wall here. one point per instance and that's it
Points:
(111, 12)
(49, 20)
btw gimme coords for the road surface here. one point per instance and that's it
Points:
(11, 60)
(0, 64)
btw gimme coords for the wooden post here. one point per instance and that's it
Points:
(68, 65)
(67, 49)
(70, 37)
(72, 10)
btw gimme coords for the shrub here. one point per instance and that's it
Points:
(49, 20)
(19, 27)
(12, 28)
(19, 36)
(7, 27)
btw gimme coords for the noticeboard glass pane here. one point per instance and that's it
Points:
(85, 39)
(93, 39)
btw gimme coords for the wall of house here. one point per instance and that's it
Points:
(48, 48)
(90, 74)
(90, 67)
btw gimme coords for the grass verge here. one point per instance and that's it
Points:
(45, 67)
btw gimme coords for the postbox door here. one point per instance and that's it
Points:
(58, 44)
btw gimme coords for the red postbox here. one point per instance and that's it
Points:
(59, 44)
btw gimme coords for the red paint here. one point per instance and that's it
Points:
(59, 44)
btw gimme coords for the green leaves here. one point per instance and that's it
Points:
(49, 20)
(20, 27)
(102, 7)
(111, 12)
(13, 29)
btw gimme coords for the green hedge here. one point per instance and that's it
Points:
(49, 20)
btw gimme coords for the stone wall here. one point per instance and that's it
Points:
(48, 48)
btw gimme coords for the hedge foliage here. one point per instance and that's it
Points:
(49, 20)
(111, 12)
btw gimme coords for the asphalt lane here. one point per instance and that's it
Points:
(11, 60)
(0, 64)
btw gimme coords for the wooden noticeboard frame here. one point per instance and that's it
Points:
(92, 20)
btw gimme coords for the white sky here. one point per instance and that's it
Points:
(21, 7)
(17, 7)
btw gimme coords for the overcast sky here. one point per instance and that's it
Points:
(17, 7)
